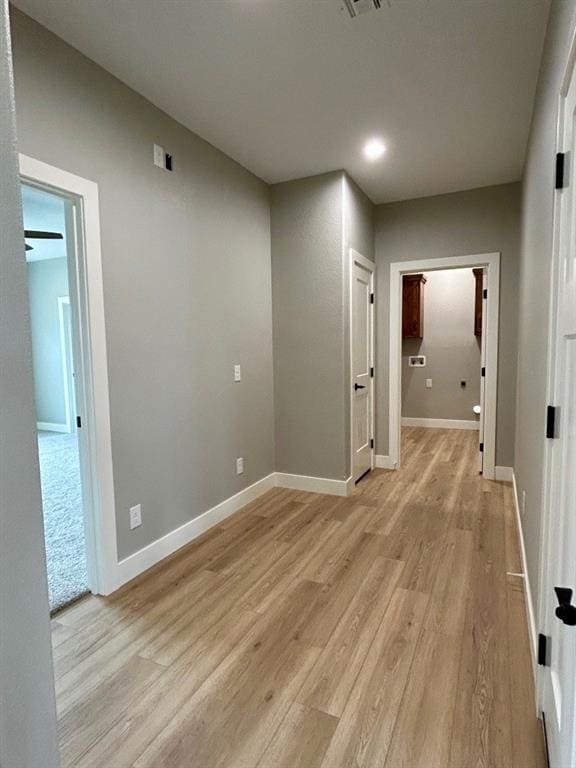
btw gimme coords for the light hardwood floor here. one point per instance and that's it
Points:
(307, 630)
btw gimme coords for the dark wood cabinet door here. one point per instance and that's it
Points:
(413, 306)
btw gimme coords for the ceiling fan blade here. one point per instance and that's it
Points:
(36, 234)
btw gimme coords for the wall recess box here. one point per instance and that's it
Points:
(417, 361)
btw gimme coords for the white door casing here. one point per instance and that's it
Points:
(66, 351)
(362, 363)
(91, 366)
(557, 679)
(483, 368)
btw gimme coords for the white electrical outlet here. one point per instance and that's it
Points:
(523, 503)
(428, 383)
(158, 155)
(239, 466)
(237, 373)
(135, 516)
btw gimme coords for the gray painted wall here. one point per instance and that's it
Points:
(451, 348)
(475, 221)
(534, 278)
(315, 222)
(47, 280)
(187, 286)
(27, 706)
(309, 326)
(358, 219)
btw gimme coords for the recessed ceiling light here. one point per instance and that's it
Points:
(374, 149)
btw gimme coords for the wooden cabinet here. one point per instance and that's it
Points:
(478, 275)
(413, 306)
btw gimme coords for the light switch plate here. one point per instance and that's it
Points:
(239, 466)
(428, 383)
(237, 373)
(158, 155)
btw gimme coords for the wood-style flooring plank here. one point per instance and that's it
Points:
(328, 685)
(377, 630)
(362, 737)
(301, 740)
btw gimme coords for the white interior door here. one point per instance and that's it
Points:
(483, 340)
(558, 682)
(362, 364)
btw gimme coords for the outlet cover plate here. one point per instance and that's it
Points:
(135, 516)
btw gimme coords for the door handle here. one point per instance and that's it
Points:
(359, 386)
(566, 612)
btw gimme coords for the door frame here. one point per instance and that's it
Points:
(370, 266)
(546, 540)
(491, 261)
(94, 402)
(62, 301)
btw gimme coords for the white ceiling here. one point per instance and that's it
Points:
(291, 88)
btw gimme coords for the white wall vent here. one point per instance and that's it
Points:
(358, 7)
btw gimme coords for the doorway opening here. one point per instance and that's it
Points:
(63, 500)
(61, 216)
(444, 349)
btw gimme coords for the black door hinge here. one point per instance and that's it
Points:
(543, 649)
(560, 162)
(78, 422)
(551, 422)
(483, 371)
(485, 293)
(371, 373)
(371, 442)
(371, 298)
(481, 447)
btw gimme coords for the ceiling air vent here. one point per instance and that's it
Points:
(358, 7)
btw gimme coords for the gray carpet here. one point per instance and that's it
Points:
(63, 518)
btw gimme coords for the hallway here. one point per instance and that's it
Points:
(383, 629)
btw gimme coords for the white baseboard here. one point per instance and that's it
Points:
(145, 558)
(48, 426)
(133, 565)
(314, 484)
(530, 615)
(505, 474)
(408, 421)
(385, 462)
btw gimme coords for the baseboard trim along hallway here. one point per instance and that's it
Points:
(314, 484)
(408, 421)
(134, 565)
(384, 462)
(530, 615)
